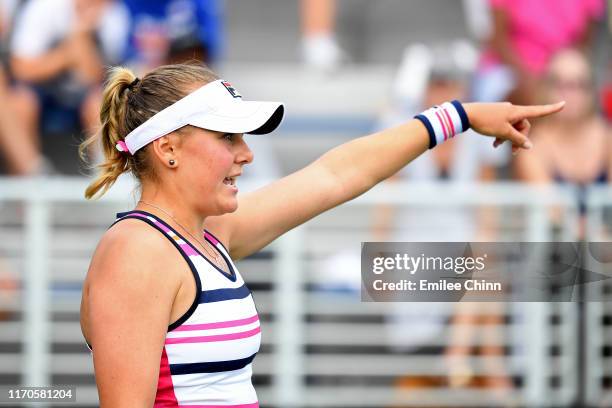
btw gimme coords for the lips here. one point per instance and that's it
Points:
(230, 181)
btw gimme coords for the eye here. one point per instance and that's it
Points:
(229, 136)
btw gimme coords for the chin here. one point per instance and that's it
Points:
(230, 207)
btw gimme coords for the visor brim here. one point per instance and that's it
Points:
(242, 117)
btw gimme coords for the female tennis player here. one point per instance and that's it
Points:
(164, 309)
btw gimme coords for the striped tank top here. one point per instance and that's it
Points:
(207, 355)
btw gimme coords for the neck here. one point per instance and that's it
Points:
(172, 210)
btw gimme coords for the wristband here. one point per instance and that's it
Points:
(444, 121)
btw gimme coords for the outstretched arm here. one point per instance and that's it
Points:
(351, 169)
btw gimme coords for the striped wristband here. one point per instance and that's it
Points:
(444, 121)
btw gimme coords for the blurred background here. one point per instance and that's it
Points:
(344, 68)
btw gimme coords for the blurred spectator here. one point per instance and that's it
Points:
(525, 35)
(573, 146)
(60, 49)
(320, 49)
(18, 143)
(20, 155)
(478, 19)
(444, 71)
(9, 291)
(607, 88)
(171, 31)
(417, 327)
(607, 94)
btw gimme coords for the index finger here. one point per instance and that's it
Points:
(534, 111)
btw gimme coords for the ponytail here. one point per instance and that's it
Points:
(112, 118)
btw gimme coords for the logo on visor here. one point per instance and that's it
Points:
(231, 89)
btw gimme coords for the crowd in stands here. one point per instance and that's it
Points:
(53, 55)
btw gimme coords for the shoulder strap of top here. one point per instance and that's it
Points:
(184, 247)
(182, 244)
(221, 248)
(218, 244)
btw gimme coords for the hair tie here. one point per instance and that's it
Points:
(133, 83)
(122, 147)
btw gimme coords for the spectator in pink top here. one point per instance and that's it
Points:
(526, 34)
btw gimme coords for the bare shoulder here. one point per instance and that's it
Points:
(135, 261)
(127, 300)
(130, 246)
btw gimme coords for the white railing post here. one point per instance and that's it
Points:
(289, 306)
(36, 317)
(594, 310)
(536, 318)
(289, 389)
(568, 366)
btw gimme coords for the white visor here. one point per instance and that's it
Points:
(216, 106)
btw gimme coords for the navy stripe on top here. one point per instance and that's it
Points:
(210, 366)
(217, 295)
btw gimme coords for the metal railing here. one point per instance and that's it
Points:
(307, 333)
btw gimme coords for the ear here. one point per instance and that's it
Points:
(166, 148)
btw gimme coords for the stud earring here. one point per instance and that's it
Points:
(171, 162)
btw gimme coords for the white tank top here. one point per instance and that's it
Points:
(207, 355)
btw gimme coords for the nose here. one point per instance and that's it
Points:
(244, 155)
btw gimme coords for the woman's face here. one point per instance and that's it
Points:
(569, 79)
(208, 167)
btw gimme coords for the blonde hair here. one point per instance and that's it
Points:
(127, 102)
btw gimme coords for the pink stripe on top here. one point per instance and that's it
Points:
(163, 227)
(219, 337)
(253, 405)
(165, 396)
(210, 238)
(188, 249)
(217, 325)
